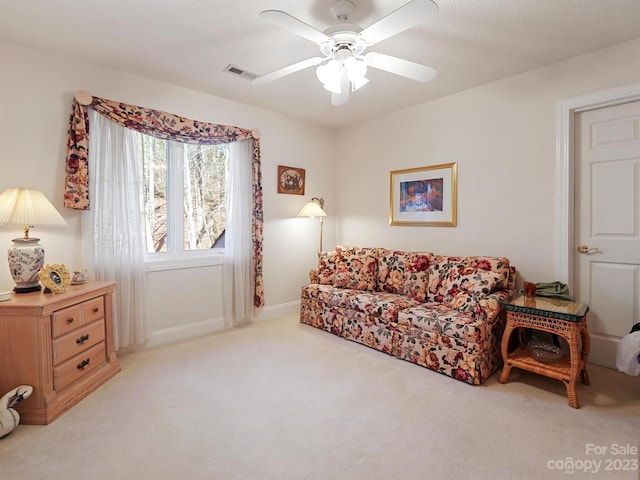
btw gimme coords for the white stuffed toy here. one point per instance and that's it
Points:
(628, 355)
(9, 418)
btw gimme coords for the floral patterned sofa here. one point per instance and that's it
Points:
(440, 312)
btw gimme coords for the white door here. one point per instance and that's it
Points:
(607, 224)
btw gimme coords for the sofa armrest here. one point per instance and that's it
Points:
(503, 295)
(490, 306)
(484, 307)
(511, 279)
(314, 275)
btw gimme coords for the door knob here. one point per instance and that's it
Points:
(584, 249)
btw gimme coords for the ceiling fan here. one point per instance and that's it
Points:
(343, 66)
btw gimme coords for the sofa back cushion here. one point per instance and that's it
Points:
(403, 273)
(439, 268)
(473, 275)
(499, 265)
(356, 268)
(468, 285)
(327, 267)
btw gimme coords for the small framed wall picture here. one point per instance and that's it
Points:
(290, 180)
(55, 278)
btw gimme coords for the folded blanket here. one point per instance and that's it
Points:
(628, 355)
(553, 289)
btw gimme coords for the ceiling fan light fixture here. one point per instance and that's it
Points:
(358, 83)
(330, 74)
(356, 69)
(326, 72)
(333, 87)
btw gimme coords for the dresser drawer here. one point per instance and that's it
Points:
(77, 341)
(93, 310)
(79, 366)
(66, 320)
(70, 318)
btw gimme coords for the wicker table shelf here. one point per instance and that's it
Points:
(560, 317)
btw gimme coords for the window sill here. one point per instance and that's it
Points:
(183, 263)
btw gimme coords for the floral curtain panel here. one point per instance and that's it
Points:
(163, 125)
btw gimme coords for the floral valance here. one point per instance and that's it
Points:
(163, 125)
(145, 120)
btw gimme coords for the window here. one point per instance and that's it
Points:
(184, 198)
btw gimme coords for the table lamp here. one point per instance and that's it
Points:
(27, 209)
(314, 208)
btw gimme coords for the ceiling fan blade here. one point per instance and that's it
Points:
(399, 66)
(286, 21)
(296, 67)
(405, 17)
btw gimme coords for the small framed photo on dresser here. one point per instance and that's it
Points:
(55, 278)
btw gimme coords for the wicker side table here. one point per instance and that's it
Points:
(563, 318)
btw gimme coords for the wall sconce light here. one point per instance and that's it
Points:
(314, 208)
(27, 209)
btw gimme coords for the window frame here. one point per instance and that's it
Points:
(175, 257)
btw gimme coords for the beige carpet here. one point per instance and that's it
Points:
(281, 400)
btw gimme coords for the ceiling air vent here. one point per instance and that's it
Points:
(232, 69)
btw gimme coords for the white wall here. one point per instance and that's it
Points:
(36, 91)
(503, 137)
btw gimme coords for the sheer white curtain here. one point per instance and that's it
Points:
(238, 255)
(113, 229)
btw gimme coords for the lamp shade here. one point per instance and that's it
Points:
(27, 208)
(23, 207)
(312, 209)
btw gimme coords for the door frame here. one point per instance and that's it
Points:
(565, 114)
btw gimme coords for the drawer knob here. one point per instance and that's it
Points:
(70, 320)
(96, 310)
(83, 364)
(82, 339)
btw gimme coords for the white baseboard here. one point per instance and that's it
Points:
(278, 311)
(184, 332)
(205, 327)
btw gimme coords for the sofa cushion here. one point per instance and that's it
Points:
(468, 282)
(390, 271)
(500, 265)
(318, 292)
(356, 268)
(403, 273)
(441, 268)
(341, 297)
(384, 305)
(327, 267)
(443, 319)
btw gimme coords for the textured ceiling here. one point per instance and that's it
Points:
(190, 42)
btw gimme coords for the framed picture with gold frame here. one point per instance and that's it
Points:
(291, 180)
(55, 278)
(424, 196)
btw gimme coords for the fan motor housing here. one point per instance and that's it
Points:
(342, 40)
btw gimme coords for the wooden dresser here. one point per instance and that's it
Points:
(60, 344)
